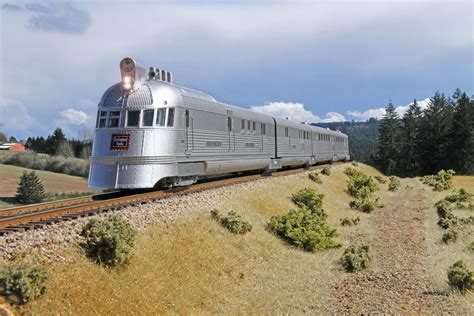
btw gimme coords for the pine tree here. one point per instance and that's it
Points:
(434, 135)
(389, 141)
(410, 156)
(462, 134)
(30, 189)
(53, 141)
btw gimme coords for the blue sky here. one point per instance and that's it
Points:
(308, 60)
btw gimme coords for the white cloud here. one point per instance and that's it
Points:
(296, 112)
(75, 117)
(378, 113)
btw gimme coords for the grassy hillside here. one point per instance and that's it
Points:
(53, 182)
(193, 265)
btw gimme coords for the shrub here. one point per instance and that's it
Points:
(21, 284)
(346, 221)
(380, 180)
(361, 186)
(467, 221)
(233, 222)
(109, 241)
(356, 258)
(30, 189)
(444, 210)
(305, 229)
(394, 184)
(446, 223)
(355, 164)
(441, 181)
(313, 176)
(451, 235)
(309, 198)
(326, 171)
(348, 171)
(461, 196)
(460, 277)
(470, 247)
(59, 164)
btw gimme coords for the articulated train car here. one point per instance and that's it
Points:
(151, 132)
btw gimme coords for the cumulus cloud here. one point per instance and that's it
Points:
(378, 113)
(296, 112)
(54, 16)
(75, 117)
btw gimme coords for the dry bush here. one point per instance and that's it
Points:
(314, 176)
(355, 164)
(233, 222)
(326, 171)
(394, 184)
(356, 258)
(109, 241)
(460, 277)
(309, 198)
(380, 179)
(451, 235)
(305, 229)
(21, 284)
(346, 221)
(441, 181)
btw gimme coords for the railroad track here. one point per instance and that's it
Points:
(35, 216)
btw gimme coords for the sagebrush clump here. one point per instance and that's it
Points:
(380, 179)
(362, 188)
(470, 247)
(233, 222)
(309, 198)
(326, 171)
(441, 181)
(109, 241)
(356, 258)
(394, 184)
(306, 227)
(21, 284)
(314, 176)
(460, 277)
(451, 235)
(346, 221)
(355, 163)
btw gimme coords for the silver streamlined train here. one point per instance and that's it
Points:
(151, 132)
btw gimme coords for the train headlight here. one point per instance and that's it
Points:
(127, 82)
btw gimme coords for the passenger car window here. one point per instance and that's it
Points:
(243, 124)
(170, 117)
(160, 117)
(263, 128)
(133, 117)
(253, 125)
(148, 117)
(229, 124)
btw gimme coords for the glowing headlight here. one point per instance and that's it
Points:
(127, 82)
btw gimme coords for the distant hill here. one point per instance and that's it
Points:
(362, 138)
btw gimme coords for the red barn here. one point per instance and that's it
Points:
(12, 147)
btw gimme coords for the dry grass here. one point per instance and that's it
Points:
(197, 266)
(442, 255)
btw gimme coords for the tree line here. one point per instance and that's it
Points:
(423, 141)
(57, 144)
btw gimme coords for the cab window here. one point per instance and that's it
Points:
(101, 118)
(160, 117)
(147, 119)
(114, 118)
(170, 117)
(133, 117)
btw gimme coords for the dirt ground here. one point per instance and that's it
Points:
(53, 182)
